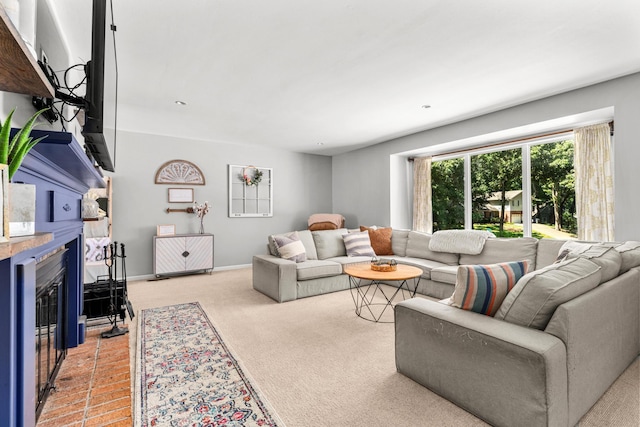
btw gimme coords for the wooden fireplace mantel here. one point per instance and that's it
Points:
(15, 245)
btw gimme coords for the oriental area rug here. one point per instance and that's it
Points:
(188, 377)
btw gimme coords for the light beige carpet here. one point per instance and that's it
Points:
(320, 365)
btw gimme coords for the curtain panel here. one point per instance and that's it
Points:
(422, 213)
(594, 183)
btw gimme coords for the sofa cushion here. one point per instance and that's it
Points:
(418, 247)
(309, 245)
(447, 274)
(547, 252)
(399, 239)
(380, 239)
(315, 269)
(482, 288)
(289, 246)
(329, 243)
(536, 296)
(425, 264)
(630, 252)
(504, 250)
(358, 244)
(605, 256)
(346, 261)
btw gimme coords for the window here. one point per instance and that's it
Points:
(521, 190)
(496, 184)
(553, 201)
(447, 193)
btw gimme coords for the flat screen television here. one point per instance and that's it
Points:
(92, 130)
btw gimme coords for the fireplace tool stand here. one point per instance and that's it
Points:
(119, 304)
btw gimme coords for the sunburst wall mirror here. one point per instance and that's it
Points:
(181, 172)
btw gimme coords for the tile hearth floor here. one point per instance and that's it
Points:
(93, 387)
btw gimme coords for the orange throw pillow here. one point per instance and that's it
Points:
(380, 240)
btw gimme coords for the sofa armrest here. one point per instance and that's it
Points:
(275, 277)
(602, 334)
(503, 373)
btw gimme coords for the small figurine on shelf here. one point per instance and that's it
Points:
(201, 211)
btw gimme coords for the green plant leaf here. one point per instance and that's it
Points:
(5, 132)
(21, 143)
(19, 156)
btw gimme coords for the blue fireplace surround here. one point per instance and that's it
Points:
(62, 173)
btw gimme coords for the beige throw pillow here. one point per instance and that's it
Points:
(536, 296)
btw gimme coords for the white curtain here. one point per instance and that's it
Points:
(422, 214)
(594, 182)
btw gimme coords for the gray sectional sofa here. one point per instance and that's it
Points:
(326, 257)
(506, 370)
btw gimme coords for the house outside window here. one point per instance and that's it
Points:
(522, 190)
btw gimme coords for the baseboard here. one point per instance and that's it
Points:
(232, 267)
(153, 277)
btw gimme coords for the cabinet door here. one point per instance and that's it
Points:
(200, 250)
(169, 255)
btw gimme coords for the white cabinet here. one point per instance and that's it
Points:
(182, 253)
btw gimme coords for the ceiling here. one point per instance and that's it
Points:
(327, 77)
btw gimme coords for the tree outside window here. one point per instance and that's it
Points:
(497, 202)
(447, 192)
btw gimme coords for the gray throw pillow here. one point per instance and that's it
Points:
(329, 243)
(630, 252)
(603, 255)
(536, 296)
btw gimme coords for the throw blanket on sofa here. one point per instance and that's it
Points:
(324, 221)
(470, 242)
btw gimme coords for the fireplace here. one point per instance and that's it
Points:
(41, 277)
(51, 322)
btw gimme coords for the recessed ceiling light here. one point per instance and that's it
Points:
(181, 103)
(319, 143)
(426, 106)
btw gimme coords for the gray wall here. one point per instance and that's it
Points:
(302, 186)
(364, 185)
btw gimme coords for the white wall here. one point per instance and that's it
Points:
(362, 179)
(302, 186)
(49, 39)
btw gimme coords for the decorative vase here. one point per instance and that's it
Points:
(22, 209)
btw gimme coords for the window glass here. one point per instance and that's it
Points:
(496, 189)
(553, 191)
(447, 192)
(497, 203)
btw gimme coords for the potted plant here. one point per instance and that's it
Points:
(13, 150)
(20, 212)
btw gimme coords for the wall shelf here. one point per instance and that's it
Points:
(19, 71)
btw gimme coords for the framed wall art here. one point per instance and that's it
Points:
(180, 195)
(166, 230)
(181, 172)
(250, 191)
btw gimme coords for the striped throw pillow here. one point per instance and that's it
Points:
(358, 244)
(290, 247)
(482, 288)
